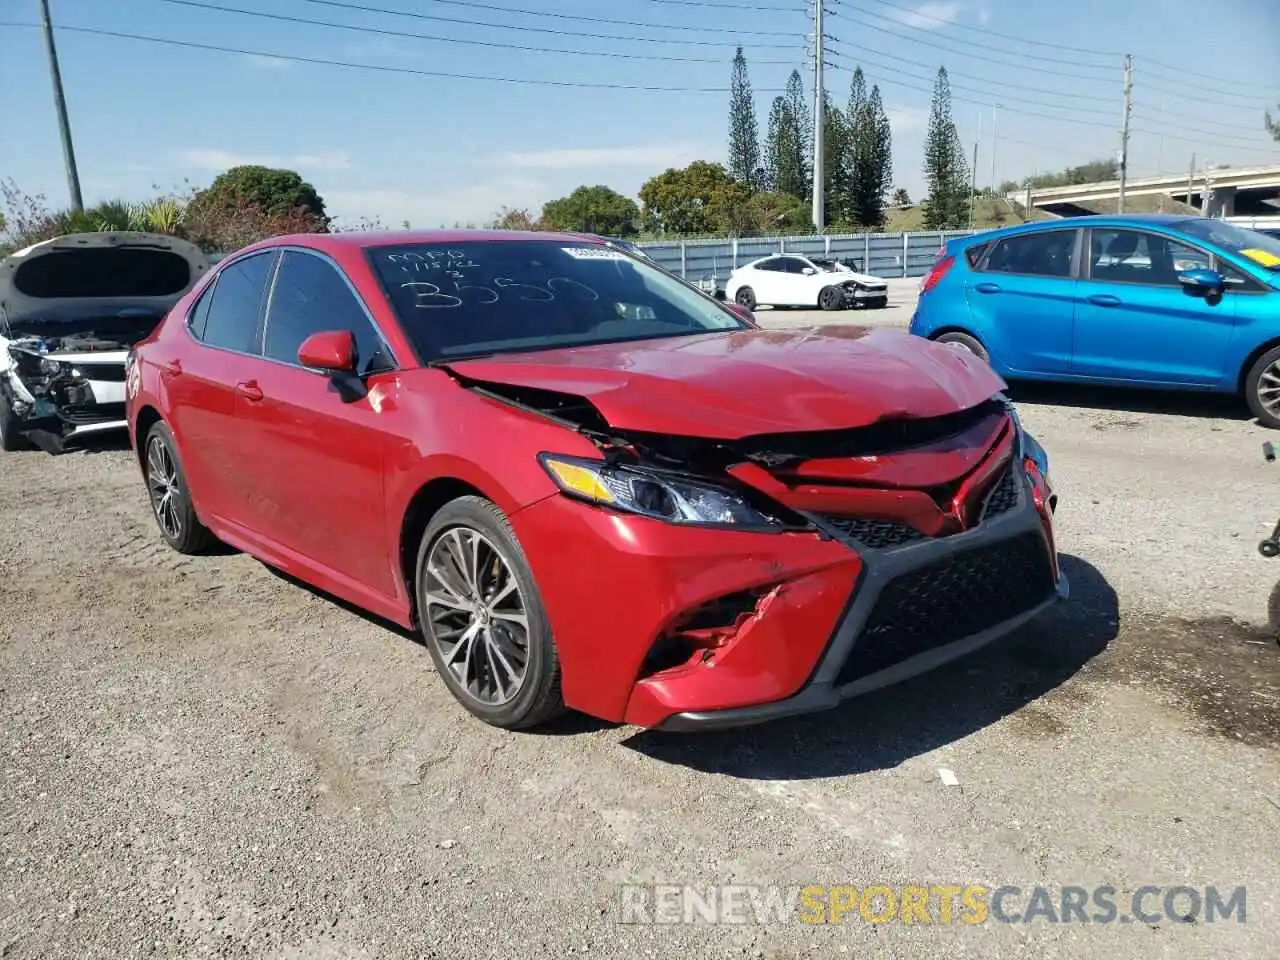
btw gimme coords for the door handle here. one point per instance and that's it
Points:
(249, 390)
(988, 287)
(1104, 300)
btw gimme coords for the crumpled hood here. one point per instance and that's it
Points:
(734, 385)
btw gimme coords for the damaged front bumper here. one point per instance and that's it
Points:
(53, 400)
(687, 629)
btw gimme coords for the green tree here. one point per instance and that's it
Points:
(835, 151)
(946, 172)
(901, 198)
(512, 218)
(788, 147)
(870, 158)
(744, 130)
(701, 198)
(273, 192)
(769, 214)
(597, 209)
(1272, 125)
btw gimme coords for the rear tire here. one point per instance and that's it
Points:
(1262, 389)
(483, 619)
(745, 297)
(972, 344)
(170, 497)
(10, 440)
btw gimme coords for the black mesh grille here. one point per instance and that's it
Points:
(1004, 496)
(876, 534)
(953, 598)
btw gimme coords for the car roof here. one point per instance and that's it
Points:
(353, 240)
(1087, 220)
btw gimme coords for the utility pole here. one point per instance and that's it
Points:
(995, 141)
(819, 121)
(973, 184)
(1124, 130)
(60, 104)
(1191, 179)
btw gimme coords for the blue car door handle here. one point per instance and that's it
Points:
(1104, 300)
(988, 287)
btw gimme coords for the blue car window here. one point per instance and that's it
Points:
(1046, 254)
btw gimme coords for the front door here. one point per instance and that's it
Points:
(1136, 322)
(318, 460)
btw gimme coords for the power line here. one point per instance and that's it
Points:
(572, 17)
(376, 68)
(521, 28)
(1251, 130)
(1182, 73)
(922, 14)
(403, 34)
(968, 44)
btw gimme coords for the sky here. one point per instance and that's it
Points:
(407, 136)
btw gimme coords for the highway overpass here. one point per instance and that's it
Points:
(1244, 191)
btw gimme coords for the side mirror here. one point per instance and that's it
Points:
(745, 314)
(330, 351)
(1203, 281)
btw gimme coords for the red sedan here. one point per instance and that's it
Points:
(588, 484)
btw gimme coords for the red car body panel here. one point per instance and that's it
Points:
(278, 466)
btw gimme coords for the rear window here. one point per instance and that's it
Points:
(103, 273)
(974, 254)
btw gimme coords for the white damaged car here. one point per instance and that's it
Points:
(790, 280)
(70, 310)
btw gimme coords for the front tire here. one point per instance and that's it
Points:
(831, 298)
(1262, 388)
(482, 617)
(170, 497)
(10, 439)
(972, 344)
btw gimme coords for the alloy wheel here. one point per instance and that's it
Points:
(1269, 389)
(165, 489)
(476, 616)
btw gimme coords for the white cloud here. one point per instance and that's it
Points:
(210, 158)
(906, 119)
(266, 62)
(930, 16)
(656, 157)
(475, 203)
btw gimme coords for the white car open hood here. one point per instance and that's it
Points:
(85, 275)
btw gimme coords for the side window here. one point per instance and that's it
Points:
(1132, 256)
(231, 320)
(792, 265)
(773, 264)
(309, 296)
(974, 253)
(1046, 254)
(199, 315)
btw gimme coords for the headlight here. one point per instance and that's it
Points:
(666, 497)
(50, 368)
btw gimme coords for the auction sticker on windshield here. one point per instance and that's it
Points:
(1264, 257)
(594, 253)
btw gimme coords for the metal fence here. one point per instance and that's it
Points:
(879, 254)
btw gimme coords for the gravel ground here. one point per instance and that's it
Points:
(201, 758)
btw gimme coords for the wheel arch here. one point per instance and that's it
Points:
(423, 505)
(1251, 359)
(147, 418)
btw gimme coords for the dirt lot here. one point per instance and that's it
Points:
(200, 758)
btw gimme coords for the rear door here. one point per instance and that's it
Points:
(316, 484)
(1021, 296)
(767, 280)
(201, 386)
(1135, 321)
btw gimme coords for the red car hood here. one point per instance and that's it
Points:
(733, 385)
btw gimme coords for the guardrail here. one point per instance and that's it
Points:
(879, 254)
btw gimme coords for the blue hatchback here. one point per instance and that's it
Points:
(1171, 302)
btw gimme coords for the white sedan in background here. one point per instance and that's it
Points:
(788, 280)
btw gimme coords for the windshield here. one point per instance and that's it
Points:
(1258, 247)
(475, 298)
